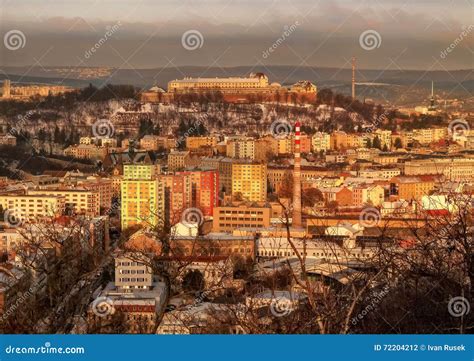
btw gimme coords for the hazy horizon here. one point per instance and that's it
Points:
(148, 34)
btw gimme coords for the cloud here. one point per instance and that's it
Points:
(236, 33)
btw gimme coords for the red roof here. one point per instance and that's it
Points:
(437, 212)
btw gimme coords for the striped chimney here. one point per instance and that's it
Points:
(296, 216)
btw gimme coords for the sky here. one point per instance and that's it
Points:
(382, 34)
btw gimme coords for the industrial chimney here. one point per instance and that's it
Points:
(296, 215)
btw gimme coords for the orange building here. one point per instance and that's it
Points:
(205, 188)
(409, 188)
(177, 197)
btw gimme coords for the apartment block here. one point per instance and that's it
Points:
(249, 179)
(229, 218)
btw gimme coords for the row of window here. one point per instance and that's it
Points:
(126, 279)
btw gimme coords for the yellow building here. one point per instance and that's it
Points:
(249, 179)
(254, 82)
(142, 197)
(87, 151)
(414, 188)
(30, 207)
(385, 137)
(320, 141)
(228, 218)
(139, 171)
(193, 143)
(78, 200)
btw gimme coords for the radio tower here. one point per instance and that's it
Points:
(296, 215)
(353, 78)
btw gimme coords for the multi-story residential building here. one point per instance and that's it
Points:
(384, 173)
(342, 195)
(224, 167)
(229, 218)
(385, 137)
(452, 168)
(287, 145)
(178, 160)
(178, 196)
(136, 296)
(342, 140)
(139, 171)
(277, 174)
(131, 274)
(107, 142)
(86, 151)
(386, 158)
(103, 186)
(149, 142)
(249, 179)
(241, 148)
(367, 194)
(320, 141)
(32, 206)
(413, 187)
(193, 143)
(253, 83)
(142, 197)
(205, 188)
(78, 200)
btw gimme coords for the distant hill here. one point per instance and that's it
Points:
(452, 82)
